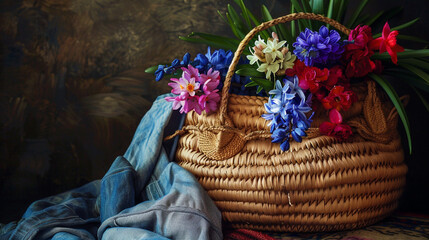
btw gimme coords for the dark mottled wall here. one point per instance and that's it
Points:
(73, 87)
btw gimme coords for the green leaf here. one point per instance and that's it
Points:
(251, 84)
(267, 85)
(234, 28)
(242, 66)
(292, 23)
(151, 69)
(412, 38)
(422, 98)
(318, 7)
(241, 28)
(212, 44)
(408, 53)
(356, 13)
(221, 16)
(306, 6)
(416, 71)
(330, 10)
(279, 29)
(264, 33)
(251, 72)
(386, 16)
(421, 63)
(244, 11)
(233, 43)
(405, 25)
(342, 10)
(408, 77)
(305, 22)
(396, 102)
(267, 17)
(375, 18)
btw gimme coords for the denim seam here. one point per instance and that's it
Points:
(116, 172)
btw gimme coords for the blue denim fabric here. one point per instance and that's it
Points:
(142, 196)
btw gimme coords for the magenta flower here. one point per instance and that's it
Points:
(195, 91)
(210, 80)
(209, 102)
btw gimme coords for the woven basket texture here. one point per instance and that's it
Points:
(320, 184)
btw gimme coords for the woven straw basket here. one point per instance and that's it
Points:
(320, 184)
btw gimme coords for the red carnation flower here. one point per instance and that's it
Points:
(312, 77)
(297, 69)
(359, 65)
(357, 54)
(360, 36)
(336, 77)
(339, 99)
(335, 128)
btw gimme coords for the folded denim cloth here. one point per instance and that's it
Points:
(142, 196)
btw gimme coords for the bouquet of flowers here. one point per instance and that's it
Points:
(299, 70)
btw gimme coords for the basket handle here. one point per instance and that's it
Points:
(287, 18)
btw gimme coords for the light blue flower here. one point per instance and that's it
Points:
(286, 111)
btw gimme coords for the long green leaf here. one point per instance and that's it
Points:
(386, 16)
(396, 102)
(408, 77)
(242, 66)
(251, 72)
(279, 29)
(405, 25)
(341, 10)
(267, 85)
(251, 84)
(330, 10)
(421, 63)
(267, 17)
(416, 71)
(264, 33)
(375, 18)
(422, 98)
(356, 13)
(412, 38)
(221, 16)
(292, 23)
(305, 22)
(234, 28)
(408, 53)
(233, 43)
(244, 11)
(318, 7)
(241, 27)
(212, 44)
(306, 6)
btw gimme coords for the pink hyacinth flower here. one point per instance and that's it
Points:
(209, 102)
(190, 104)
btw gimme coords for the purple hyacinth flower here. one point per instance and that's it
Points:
(320, 47)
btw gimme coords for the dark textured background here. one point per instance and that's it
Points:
(73, 87)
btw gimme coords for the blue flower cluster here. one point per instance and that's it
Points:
(320, 47)
(218, 60)
(286, 110)
(165, 69)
